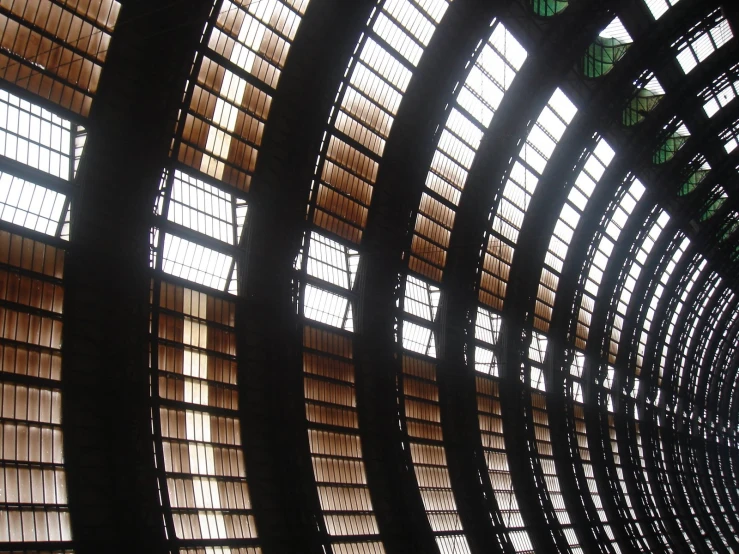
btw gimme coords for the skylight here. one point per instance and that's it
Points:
(517, 193)
(700, 46)
(495, 68)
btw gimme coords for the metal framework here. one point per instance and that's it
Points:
(368, 277)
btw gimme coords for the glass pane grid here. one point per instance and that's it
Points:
(567, 224)
(369, 100)
(493, 72)
(57, 51)
(198, 417)
(336, 452)
(632, 269)
(702, 43)
(422, 417)
(517, 193)
(33, 499)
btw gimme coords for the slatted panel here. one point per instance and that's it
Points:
(520, 186)
(33, 493)
(583, 451)
(368, 101)
(422, 417)
(195, 354)
(490, 420)
(577, 200)
(496, 65)
(543, 441)
(56, 50)
(336, 449)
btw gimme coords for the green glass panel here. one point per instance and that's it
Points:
(729, 229)
(548, 8)
(712, 209)
(667, 151)
(639, 106)
(602, 55)
(693, 181)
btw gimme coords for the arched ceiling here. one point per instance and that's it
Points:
(442, 283)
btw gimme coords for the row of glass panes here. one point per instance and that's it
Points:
(654, 300)
(611, 231)
(716, 315)
(537, 355)
(720, 92)
(659, 7)
(713, 285)
(683, 474)
(369, 100)
(692, 473)
(663, 479)
(57, 51)
(230, 100)
(583, 451)
(543, 441)
(716, 364)
(703, 43)
(673, 319)
(422, 416)
(649, 496)
(195, 356)
(33, 491)
(46, 143)
(421, 300)
(490, 421)
(517, 192)
(495, 68)
(330, 397)
(613, 441)
(329, 265)
(724, 475)
(577, 367)
(218, 138)
(730, 137)
(335, 446)
(635, 266)
(577, 199)
(726, 365)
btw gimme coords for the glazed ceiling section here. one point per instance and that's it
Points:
(51, 59)
(577, 201)
(57, 51)
(367, 104)
(33, 494)
(496, 65)
(378, 75)
(203, 197)
(487, 352)
(40, 151)
(201, 212)
(596, 268)
(421, 413)
(518, 190)
(632, 270)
